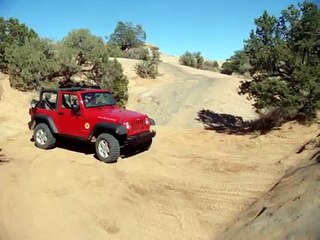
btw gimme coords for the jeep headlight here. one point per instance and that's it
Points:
(127, 125)
(147, 122)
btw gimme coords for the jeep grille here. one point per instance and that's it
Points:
(137, 124)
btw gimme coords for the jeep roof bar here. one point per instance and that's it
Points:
(69, 89)
(74, 89)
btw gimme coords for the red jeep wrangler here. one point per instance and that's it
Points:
(88, 114)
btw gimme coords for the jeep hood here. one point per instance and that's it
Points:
(116, 115)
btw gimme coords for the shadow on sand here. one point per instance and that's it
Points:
(230, 124)
(88, 148)
(4, 158)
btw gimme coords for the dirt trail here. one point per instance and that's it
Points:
(189, 185)
(180, 92)
(183, 188)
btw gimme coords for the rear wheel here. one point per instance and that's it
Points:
(107, 148)
(43, 136)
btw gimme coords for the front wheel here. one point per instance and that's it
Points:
(107, 148)
(43, 136)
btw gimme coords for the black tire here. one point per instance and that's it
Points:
(112, 144)
(43, 137)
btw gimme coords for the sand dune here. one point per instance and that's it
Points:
(191, 184)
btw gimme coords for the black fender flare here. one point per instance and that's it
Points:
(116, 129)
(152, 121)
(48, 120)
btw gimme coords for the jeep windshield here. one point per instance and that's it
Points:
(98, 99)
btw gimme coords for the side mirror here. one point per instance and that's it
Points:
(34, 103)
(75, 108)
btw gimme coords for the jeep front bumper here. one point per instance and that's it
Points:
(139, 139)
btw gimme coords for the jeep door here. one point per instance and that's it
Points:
(70, 122)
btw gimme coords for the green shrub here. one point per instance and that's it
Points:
(210, 65)
(188, 59)
(31, 64)
(127, 36)
(228, 68)
(139, 53)
(285, 61)
(238, 63)
(146, 69)
(199, 60)
(92, 61)
(12, 31)
(149, 68)
(196, 60)
(114, 79)
(114, 51)
(80, 54)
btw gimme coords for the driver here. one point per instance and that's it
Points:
(90, 99)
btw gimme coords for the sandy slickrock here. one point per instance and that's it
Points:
(191, 184)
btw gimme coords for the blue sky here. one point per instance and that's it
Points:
(215, 28)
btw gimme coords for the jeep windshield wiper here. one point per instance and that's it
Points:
(99, 105)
